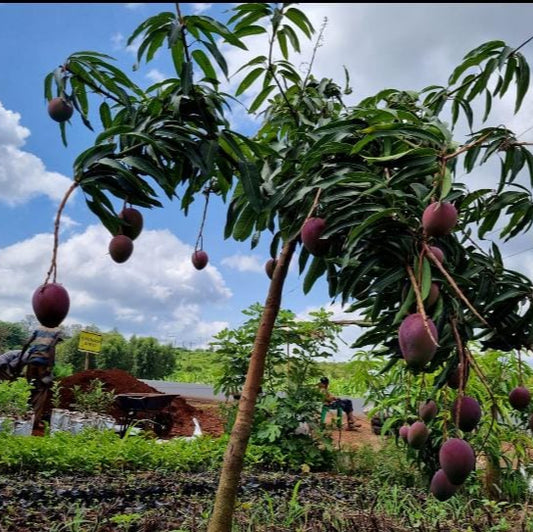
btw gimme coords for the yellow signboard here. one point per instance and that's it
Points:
(90, 342)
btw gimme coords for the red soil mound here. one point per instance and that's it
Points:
(122, 382)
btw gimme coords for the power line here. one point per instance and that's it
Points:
(518, 252)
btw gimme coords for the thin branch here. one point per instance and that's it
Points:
(466, 147)
(315, 203)
(453, 284)
(481, 73)
(315, 49)
(520, 372)
(183, 38)
(462, 371)
(53, 264)
(95, 87)
(420, 303)
(522, 45)
(272, 71)
(204, 216)
(481, 375)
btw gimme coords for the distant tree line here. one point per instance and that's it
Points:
(143, 357)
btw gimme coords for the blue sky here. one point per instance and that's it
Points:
(157, 292)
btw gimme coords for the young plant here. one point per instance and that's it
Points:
(93, 400)
(15, 398)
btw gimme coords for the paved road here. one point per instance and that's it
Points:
(202, 391)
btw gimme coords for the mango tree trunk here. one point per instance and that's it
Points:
(222, 517)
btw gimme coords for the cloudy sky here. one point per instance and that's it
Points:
(157, 292)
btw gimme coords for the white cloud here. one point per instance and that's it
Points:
(200, 7)
(155, 76)
(243, 263)
(67, 222)
(157, 292)
(22, 174)
(134, 5)
(133, 48)
(117, 40)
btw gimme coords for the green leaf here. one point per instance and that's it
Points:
(387, 158)
(293, 38)
(282, 41)
(79, 92)
(245, 224)
(512, 65)
(250, 179)
(522, 82)
(218, 57)
(203, 61)
(406, 305)
(63, 133)
(48, 94)
(261, 97)
(488, 104)
(300, 19)
(399, 130)
(250, 30)
(248, 80)
(93, 154)
(316, 269)
(178, 56)
(488, 223)
(506, 52)
(111, 132)
(446, 184)
(427, 279)
(360, 228)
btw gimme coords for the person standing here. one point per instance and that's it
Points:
(40, 358)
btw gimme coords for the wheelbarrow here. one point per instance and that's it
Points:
(145, 408)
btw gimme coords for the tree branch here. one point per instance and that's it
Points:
(453, 284)
(53, 264)
(94, 86)
(420, 303)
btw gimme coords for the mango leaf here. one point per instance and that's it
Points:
(261, 97)
(282, 42)
(203, 61)
(316, 269)
(245, 224)
(300, 19)
(248, 80)
(427, 279)
(105, 115)
(522, 82)
(446, 184)
(48, 95)
(250, 179)
(373, 218)
(219, 58)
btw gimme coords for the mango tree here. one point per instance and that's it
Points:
(367, 194)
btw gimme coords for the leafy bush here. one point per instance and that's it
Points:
(289, 395)
(15, 398)
(92, 451)
(94, 399)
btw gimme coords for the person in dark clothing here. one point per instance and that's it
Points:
(10, 365)
(334, 402)
(38, 356)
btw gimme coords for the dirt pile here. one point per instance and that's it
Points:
(122, 382)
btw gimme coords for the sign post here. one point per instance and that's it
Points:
(90, 342)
